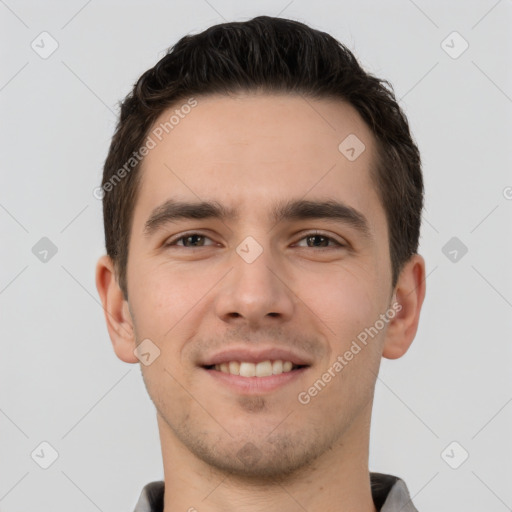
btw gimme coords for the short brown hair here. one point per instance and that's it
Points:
(273, 55)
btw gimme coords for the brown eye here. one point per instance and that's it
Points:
(190, 240)
(320, 240)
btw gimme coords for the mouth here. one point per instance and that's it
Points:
(261, 369)
(255, 370)
(254, 378)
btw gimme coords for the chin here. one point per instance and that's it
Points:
(276, 458)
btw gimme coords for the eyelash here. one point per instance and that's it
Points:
(172, 242)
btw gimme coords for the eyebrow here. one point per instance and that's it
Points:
(173, 210)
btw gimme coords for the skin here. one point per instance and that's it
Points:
(250, 151)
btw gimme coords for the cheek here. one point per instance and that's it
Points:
(350, 311)
(165, 299)
(347, 300)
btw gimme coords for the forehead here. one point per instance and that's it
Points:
(251, 151)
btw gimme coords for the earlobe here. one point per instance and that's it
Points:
(117, 313)
(409, 295)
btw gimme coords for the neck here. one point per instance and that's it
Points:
(337, 481)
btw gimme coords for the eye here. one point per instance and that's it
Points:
(192, 238)
(321, 238)
(195, 240)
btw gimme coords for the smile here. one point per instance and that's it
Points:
(254, 378)
(261, 369)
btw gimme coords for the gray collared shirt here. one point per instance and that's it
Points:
(390, 494)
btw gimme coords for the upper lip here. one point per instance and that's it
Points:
(255, 356)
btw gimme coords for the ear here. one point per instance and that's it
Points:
(409, 294)
(117, 313)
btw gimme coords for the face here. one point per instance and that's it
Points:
(294, 272)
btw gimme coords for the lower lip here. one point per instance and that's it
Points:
(256, 385)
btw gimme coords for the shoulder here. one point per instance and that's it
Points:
(390, 493)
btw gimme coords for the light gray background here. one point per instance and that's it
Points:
(60, 379)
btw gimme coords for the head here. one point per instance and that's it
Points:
(307, 233)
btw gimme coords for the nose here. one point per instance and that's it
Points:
(256, 292)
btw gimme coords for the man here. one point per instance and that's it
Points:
(262, 208)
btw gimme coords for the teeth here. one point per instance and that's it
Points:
(263, 369)
(247, 369)
(277, 367)
(234, 368)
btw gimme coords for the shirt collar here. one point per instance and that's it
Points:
(389, 493)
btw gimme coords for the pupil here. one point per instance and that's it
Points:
(316, 236)
(193, 237)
